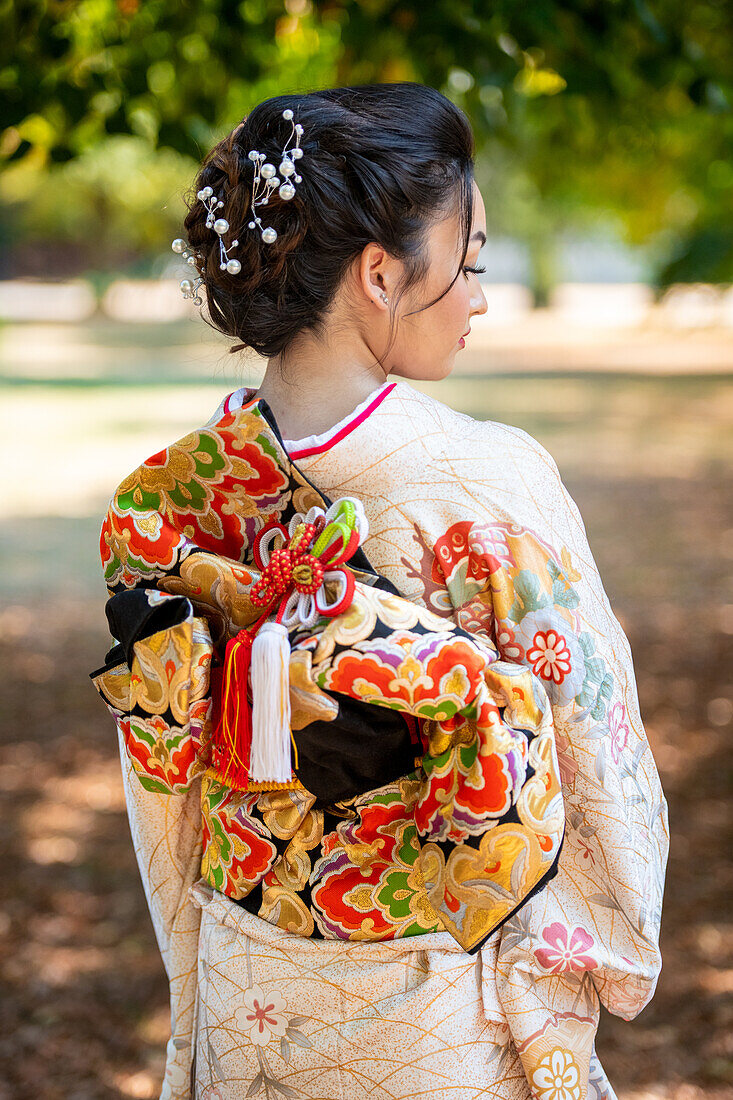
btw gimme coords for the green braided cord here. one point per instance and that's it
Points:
(345, 526)
(327, 536)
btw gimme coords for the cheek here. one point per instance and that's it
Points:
(456, 303)
(447, 318)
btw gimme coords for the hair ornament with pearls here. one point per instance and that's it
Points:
(265, 181)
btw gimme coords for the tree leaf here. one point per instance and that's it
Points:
(256, 1085)
(286, 1090)
(298, 1037)
(658, 812)
(595, 668)
(529, 595)
(595, 733)
(506, 1054)
(296, 1021)
(585, 697)
(285, 1049)
(604, 901)
(638, 753)
(216, 1063)
(510, 941)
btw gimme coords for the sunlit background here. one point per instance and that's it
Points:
(604, 136)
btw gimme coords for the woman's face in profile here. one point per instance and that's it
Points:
(427, 342)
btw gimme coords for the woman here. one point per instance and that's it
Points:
(373, 920)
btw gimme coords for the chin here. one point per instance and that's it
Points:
(428, 372)
(444, 369)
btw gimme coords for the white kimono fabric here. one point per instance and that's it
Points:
(467, 518)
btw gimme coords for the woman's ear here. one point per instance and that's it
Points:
(375, 273)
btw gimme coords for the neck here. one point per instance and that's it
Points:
(311, 390)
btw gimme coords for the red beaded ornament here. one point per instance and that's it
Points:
(292, 566)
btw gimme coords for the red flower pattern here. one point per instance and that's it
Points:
(549, 656)
(507, 643)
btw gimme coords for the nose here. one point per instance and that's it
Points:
(478, 300)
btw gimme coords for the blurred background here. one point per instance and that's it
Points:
(604, 153)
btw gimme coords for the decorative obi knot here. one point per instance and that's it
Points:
(291, 565)
(313, 547)
(253, 745)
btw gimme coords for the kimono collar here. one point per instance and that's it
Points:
(211, 491)
(246, 397)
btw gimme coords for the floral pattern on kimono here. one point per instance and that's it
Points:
(469, 521)
(498, 545)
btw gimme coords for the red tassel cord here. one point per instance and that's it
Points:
(292, 566)
(231, 741)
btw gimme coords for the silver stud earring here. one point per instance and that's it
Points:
(384, 297)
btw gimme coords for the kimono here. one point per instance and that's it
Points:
(469, 857)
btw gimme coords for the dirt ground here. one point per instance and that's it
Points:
(83, 1011)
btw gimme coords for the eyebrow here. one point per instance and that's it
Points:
(479, 236)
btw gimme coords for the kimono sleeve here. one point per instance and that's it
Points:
(593, 931)
(167, 838)
(160, 694)
(160, 703)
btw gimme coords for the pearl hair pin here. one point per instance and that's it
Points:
(220, 226)
(268, 173)
(189, 289)
(261, 192)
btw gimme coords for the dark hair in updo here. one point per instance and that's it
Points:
(381, 162)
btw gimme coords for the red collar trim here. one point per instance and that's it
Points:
(347, 428)
(304, 452)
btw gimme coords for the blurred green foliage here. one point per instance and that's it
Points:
(583, 111)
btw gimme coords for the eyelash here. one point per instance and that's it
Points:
(475, 270)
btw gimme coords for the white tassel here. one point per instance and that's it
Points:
(270, 670)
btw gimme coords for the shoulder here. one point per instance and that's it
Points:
(458, 433)
(500, 465)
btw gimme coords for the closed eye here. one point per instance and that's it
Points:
(474, 270)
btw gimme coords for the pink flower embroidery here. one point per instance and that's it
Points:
(619, 730)
(627, 1001)
(261, 1015)
(549, 656)
(563, 953)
